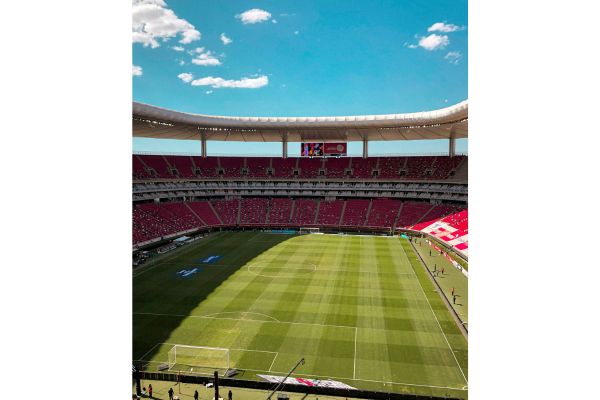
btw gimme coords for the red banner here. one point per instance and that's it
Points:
(338, 149)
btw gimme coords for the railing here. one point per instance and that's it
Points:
(261, 385)
(175, 153)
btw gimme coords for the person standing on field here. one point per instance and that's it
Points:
(170, 393)
(195, 394)
(150, 390)
(230, 395)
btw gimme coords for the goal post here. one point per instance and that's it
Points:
(198, 359)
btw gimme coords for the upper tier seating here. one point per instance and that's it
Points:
(336, 167)
(418, 166)
(362, 168)
(183, 165)
(283, 167)
(388, 168)
(309, 167)
(232, 166)
(159, 166)
(139, 170)
(442, 166)
(206, 167)
(257, 166)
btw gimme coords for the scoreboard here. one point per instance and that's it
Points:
(320, 149)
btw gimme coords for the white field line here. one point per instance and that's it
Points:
(363, 380)
(355, 336)
(148, 352)
(180, 344)
(242, 312)
(298, 270)
(436, 320)
(315, 268)
(242, 319)
(273, 362)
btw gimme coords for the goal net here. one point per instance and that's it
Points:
(309, 230)
(198, 359)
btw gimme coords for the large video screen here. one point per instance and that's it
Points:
(324, 149)
(312, 150)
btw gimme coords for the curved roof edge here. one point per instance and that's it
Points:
(156, 122)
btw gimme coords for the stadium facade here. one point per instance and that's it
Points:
(175, 195)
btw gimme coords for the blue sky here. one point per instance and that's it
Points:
(299, 58)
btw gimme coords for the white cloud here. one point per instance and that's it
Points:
(225, 39)
(296, 32)
(197, 50)
(274, 21)
(206, 59)
(244, 83)
(443, 27)
(186, 77)
(208, 92)
(181, 62)
(453, 57)
(178, 48)
(152, 20)
(434, 42)
(136, 70)
(254, 16)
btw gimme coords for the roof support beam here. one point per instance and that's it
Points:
(284, 142)
(365, 147)
(452, 142)
(203, 145)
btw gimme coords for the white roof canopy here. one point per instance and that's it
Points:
(155, 122)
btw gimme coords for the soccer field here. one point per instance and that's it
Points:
(359, 309)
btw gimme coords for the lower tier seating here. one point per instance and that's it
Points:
(158, 220)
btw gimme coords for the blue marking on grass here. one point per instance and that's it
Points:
(403, 236)
(184, 273)
(209, 259)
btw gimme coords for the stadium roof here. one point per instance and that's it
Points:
(155, 122)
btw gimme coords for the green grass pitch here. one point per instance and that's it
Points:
(359, 309)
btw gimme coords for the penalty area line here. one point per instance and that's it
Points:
(273, 362)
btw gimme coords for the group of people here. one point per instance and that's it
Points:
(437, 272)
(171, 393)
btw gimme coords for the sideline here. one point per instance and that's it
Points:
(457, 320)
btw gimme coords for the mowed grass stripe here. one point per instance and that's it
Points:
(364, 318)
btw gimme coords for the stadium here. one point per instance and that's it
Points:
(332, 274)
